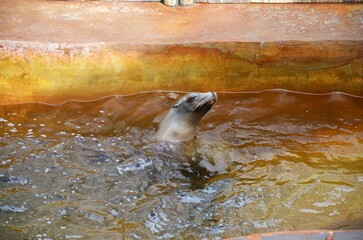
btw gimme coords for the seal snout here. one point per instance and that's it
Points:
(213, 98)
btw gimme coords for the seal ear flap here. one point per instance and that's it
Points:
(176, 106)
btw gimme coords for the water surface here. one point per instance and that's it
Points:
(260, 162)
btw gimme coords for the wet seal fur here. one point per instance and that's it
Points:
(182, 120)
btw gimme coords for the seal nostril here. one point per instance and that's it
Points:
(214, 95)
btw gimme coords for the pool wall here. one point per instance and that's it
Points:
(56, 51)
(55, 73)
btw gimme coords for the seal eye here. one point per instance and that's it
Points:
(191, 98)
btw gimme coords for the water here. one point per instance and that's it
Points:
(260, 162)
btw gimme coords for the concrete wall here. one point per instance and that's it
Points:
(34, 73)
(54, 51)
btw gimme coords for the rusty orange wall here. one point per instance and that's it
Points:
(57, 73)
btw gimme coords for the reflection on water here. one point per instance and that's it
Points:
(261, 162)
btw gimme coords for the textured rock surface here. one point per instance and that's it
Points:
(171, 3)
(186, 2)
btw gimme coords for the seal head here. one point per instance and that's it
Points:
(181, 121)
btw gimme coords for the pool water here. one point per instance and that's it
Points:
(260, 162)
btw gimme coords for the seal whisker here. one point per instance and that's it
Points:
(198, 105)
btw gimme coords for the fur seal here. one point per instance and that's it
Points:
(181, 121)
